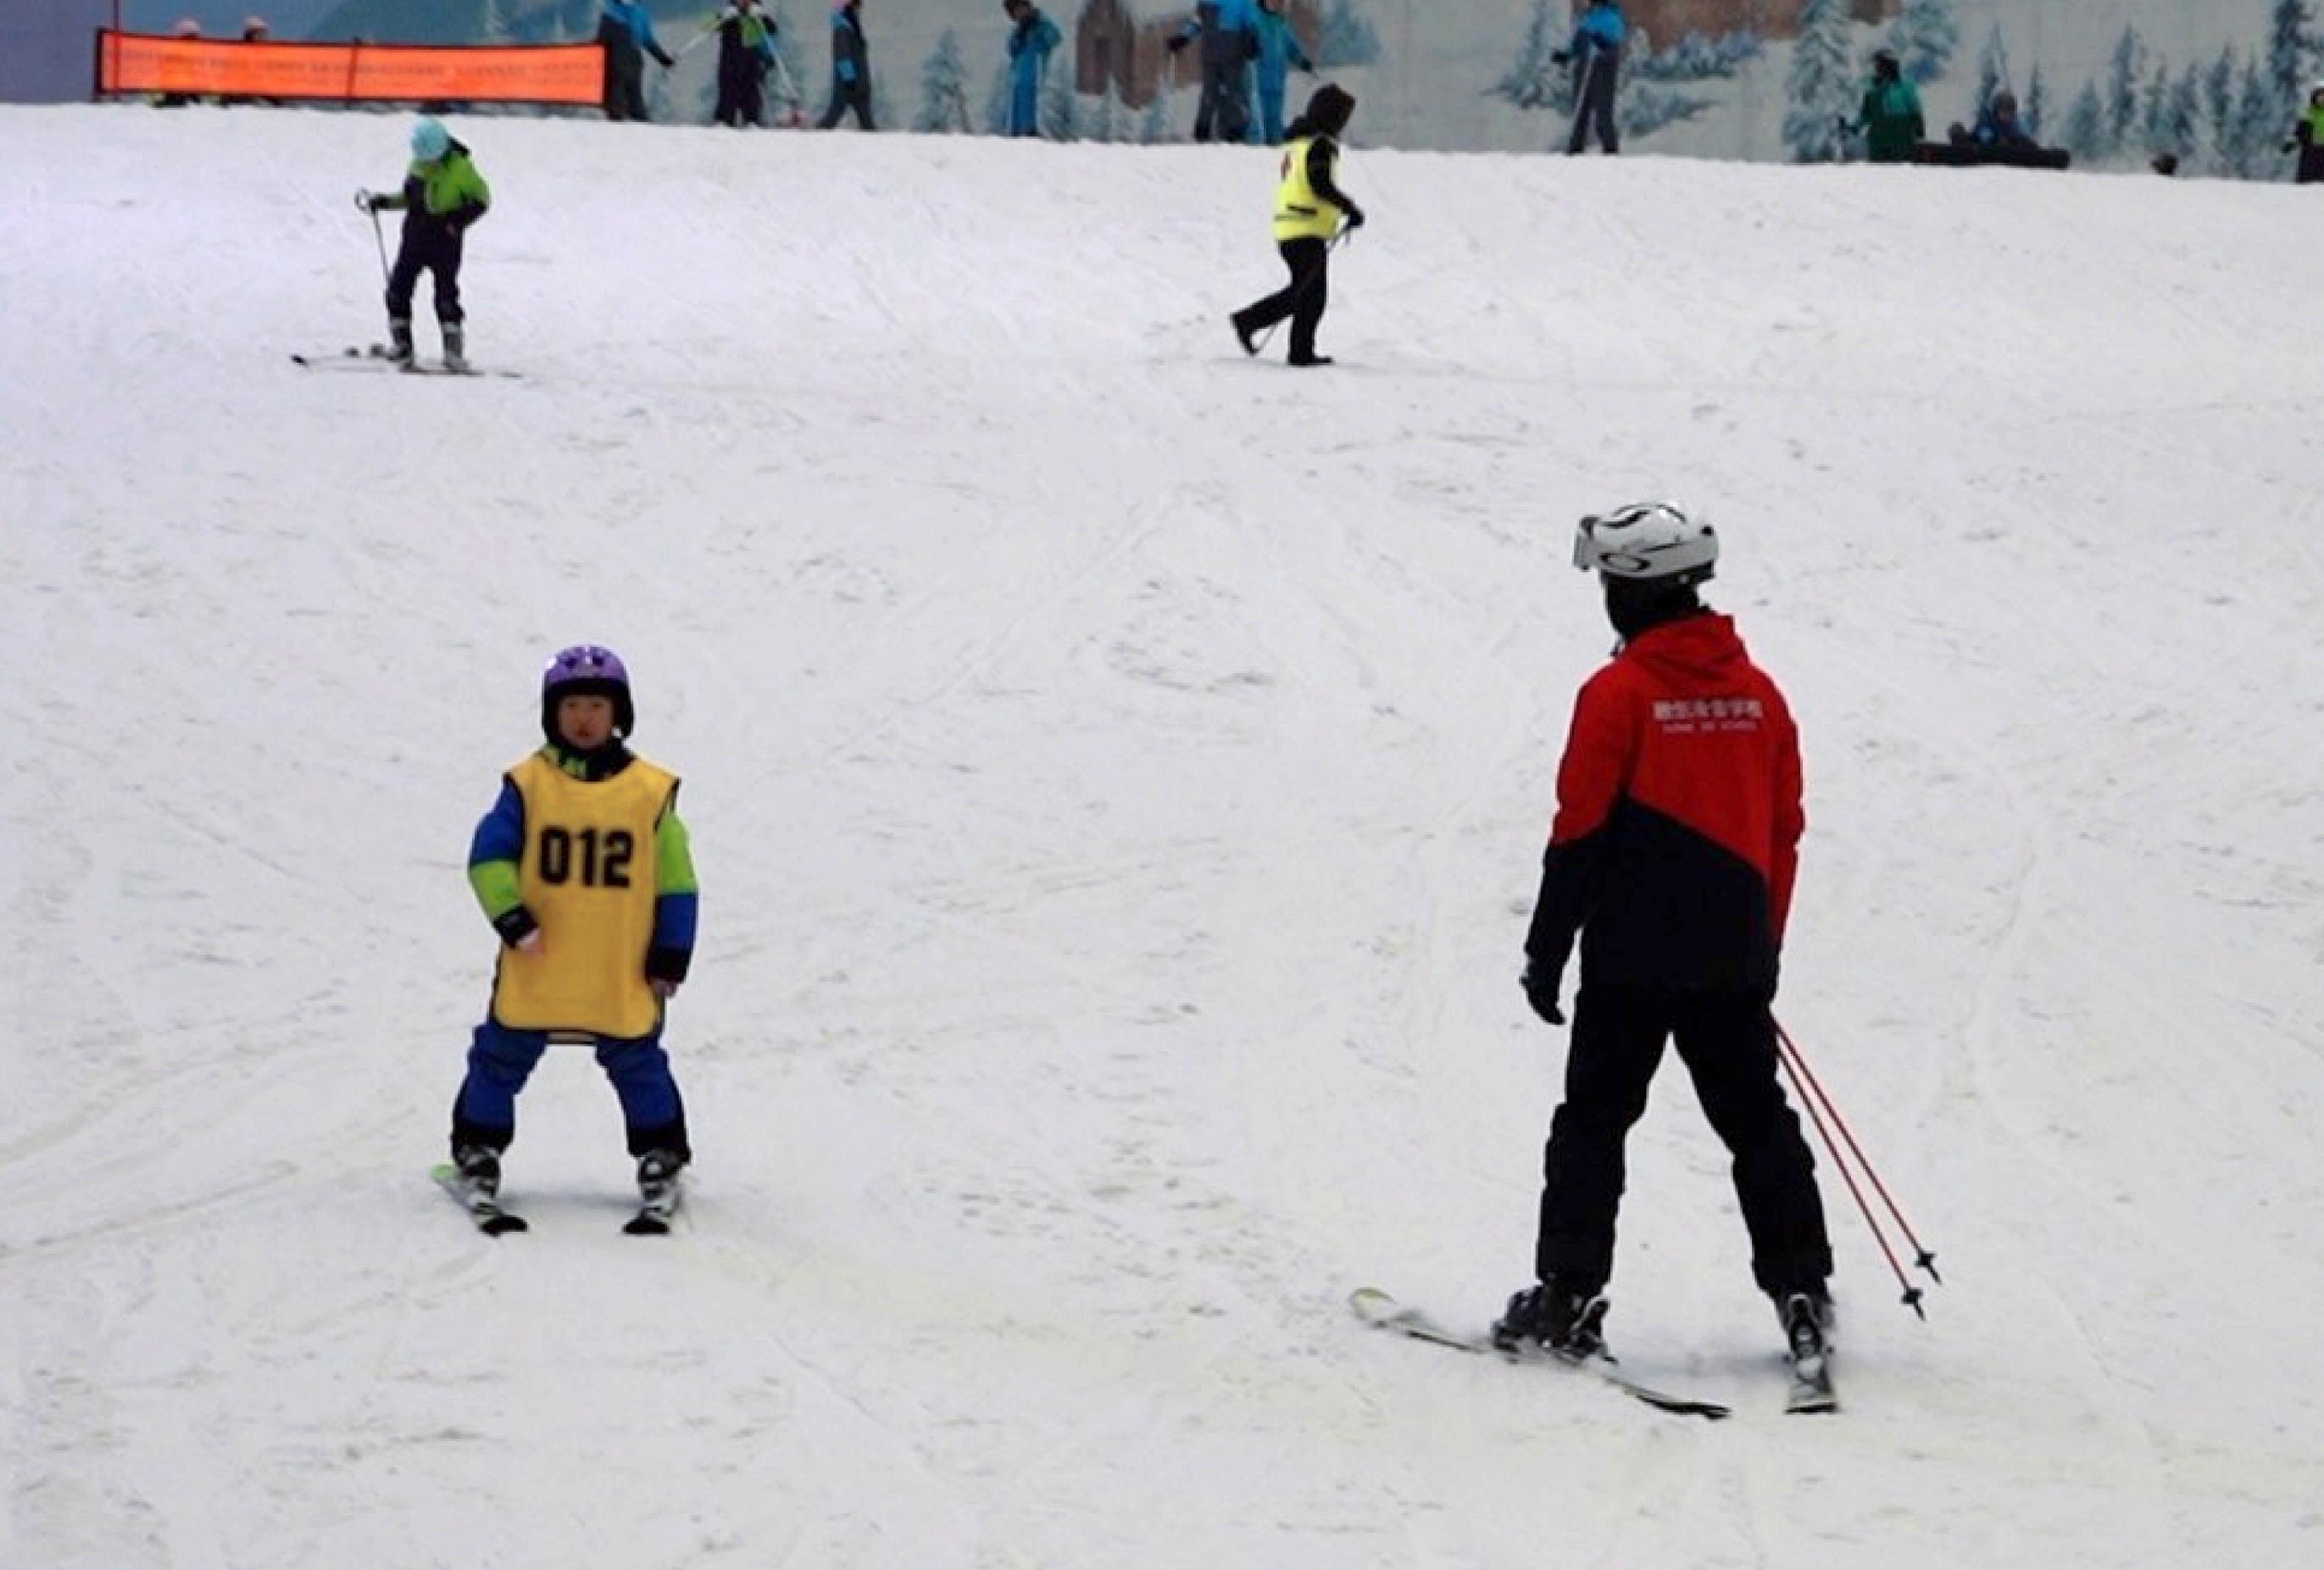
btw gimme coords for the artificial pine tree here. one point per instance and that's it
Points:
(2123, 73)
(1536, 81)
(1924, 36)
(1822, 87)
(943, 90)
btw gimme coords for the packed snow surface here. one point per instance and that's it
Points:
(1119, 772)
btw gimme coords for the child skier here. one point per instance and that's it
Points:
(746, 53)
(443, 196)
(586, 871)
(1309, 209)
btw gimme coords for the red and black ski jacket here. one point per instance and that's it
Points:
(1678, 819)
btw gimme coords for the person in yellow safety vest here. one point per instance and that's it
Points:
(1310, 213)
(587, 874)
(2307, 141)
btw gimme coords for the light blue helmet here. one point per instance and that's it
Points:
(429, 141)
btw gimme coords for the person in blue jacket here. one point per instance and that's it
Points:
(1229, 32)
(1029, 43)
(1279, 55)
(850, 66)
(1596, 56)
(627, 34)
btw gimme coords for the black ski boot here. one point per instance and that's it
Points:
(1808, 1319)
(658, 1173)
(480, 1168)
(1553, 1317)
(455, 347)
(399, 341)
(1807, 1322)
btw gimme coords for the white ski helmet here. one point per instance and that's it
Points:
(1647, 542)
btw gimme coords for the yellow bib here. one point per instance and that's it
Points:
(588, 876)
(1299, 213)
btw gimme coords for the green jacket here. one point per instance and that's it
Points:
(1891, 120)
(448, 191)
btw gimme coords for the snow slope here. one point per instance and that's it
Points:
(1119, 773)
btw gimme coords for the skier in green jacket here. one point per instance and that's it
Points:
(1890, 118)
(442, 197)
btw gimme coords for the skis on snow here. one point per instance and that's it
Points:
(1377, 1308)
(375, 357)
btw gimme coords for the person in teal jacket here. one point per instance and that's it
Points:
(850, 67)
(1891, 118)
(1279, 55)
(1030, 39)
(443, 196)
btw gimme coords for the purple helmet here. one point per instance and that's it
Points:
(586, 671)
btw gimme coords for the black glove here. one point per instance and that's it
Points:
(2291, 145)
(1175, 45)
(1541, 991)
(1355, 216)
(515, 926)
(365, 202)
(1560, 56)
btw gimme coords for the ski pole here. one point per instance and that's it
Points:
(1924, 1259)
(1912, 1293)
(362, 200)
(797, 115)
(1304, 285)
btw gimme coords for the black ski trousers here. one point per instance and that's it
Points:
(1593, 103)
(741, 99)
(625, 74)
(426, 248)
(1302, 300)
(846, 95)
(1726, 1039)
(1222, 113)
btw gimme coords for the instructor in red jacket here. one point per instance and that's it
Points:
(1672, 857)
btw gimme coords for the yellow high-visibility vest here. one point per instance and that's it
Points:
(1299, 213)
(588, 876)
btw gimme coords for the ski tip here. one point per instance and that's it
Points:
(646, 1226)
(1371, 1304)
(501, 1226)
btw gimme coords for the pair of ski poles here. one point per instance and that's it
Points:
(1822, 1112)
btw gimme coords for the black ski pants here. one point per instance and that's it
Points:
(741, 101)
(1594, 102)
(1224, 111)
(1726, 1039)
(1302, 300)
(426, 248)
(846, 95)
(625, 83)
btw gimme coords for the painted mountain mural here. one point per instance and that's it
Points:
(2115, 81)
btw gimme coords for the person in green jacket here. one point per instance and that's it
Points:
(442, 198)
(2307, 141)
(1890, 118)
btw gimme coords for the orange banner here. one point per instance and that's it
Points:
(559, 73)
